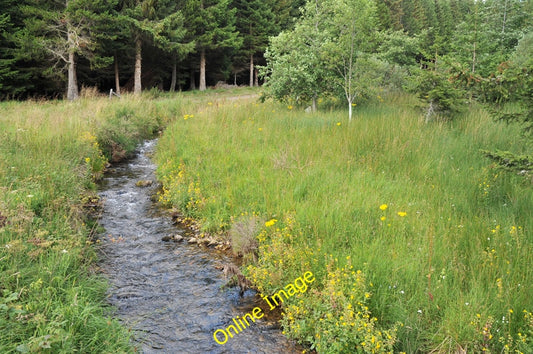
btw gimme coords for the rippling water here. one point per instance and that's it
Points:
(169, 294)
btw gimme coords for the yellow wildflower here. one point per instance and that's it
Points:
(271, 222)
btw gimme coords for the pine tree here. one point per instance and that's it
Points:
(63, 30)
(12, 80)
(255, 25)
(212, 25)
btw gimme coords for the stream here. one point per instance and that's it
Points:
(170, 294)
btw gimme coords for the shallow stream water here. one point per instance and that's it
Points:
(170, 294)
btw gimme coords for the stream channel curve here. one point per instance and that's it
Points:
(170, 294)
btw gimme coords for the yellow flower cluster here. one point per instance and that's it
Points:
(180, 190)
(338, 317)
(95, 160)
(489, 336)
(279, 258)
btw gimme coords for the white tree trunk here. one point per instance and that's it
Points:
(350, 111)
(137, 88)
(202, 70)
(251, 70)
(72, 84)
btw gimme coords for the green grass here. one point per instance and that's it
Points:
(51, 298)
(454, 272)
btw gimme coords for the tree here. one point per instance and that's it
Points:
(12, 80)
(440, 88)
(516, 104)
(352, 25)
(255, 25)
(171, 37)
(158, 23)
(64, 30)
(295, 69)
(212, 24)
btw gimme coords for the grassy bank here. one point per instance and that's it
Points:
(416, 242)
(51, 298)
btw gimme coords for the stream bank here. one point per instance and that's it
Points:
(170, 294)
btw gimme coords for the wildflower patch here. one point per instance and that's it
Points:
(300, 285)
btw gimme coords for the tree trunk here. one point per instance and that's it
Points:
(251, 70)
(138, 62)
(117, 76)
(350, 111)
(314, 105)
(202, 70)
(174, 74)
(256, 82)
(474, 58)
(504, 21)
(72, 85)
(192, 85)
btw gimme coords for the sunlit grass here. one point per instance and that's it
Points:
(453, 243)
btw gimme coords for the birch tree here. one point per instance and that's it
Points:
(352, 26)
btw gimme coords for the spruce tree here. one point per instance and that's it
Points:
(255, 25)
(212, 25)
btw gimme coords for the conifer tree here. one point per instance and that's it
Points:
(64, 30)
(255, 25)
(12, 80)
(212, 25)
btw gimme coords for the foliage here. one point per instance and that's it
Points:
(441, 93)
(337, 319)
(296, 70)
(515, 89)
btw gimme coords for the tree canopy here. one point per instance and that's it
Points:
(307, 49)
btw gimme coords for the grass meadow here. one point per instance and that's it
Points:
(417, 242)
(51, 297)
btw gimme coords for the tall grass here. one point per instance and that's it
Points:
(444, 264)
(51, 297)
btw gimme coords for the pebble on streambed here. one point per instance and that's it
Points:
(208, 241)
(174, 238)
(142, 183)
